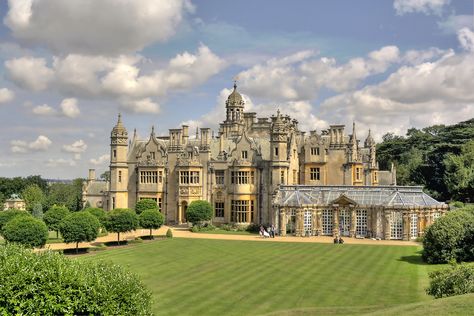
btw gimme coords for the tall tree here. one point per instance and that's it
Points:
(33, 195)
(54, 216)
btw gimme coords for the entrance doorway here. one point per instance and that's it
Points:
(291, 223)
(184, 207)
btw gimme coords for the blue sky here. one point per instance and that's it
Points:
(68, 67)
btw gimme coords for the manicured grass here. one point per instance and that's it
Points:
(217, 277)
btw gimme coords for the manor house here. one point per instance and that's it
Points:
(245, 171)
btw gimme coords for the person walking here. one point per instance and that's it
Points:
(272, 231)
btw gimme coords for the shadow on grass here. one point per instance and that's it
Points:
(72, 251)
(414, 259)
(115, 243)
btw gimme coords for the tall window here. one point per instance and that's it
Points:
(220, 177)
(358, 173)
(189, 177)
(115, 153)
(314, 151)
(282, 176)
(295, 177)
(147, 177)
(160, 204)
(276, 151)
(242, 177)
(414, 225)
(113, 202)
(375, 176)
(120, 176)
(219, 208)
(396, 225)
(361, 223)
(244, 154)
(327, 222)
(315, 174)
(242, 211)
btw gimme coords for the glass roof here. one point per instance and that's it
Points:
(305, 195)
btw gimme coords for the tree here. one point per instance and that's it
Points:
(121, 220)
(54, 216)
(459, 175)
(145, 204)
(66, 194)
(10, 214)
(199, 211)
(26, 230)
(457, 279)
(79, 227)
(51, 284)
(151, 219)
(33, 195)
(447, 239)
(105, 176)
(98, 213)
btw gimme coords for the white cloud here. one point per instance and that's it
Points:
(44, 109)
(61, 162)
(95, 26)
(42, 143)
(416, 57)
(466, 39)
(29, 73)
(102, 160)
(141, 106)
(300, 76)
(6, 95)
(453, 23)
(69, 108)
(427, 7)
(77, 147)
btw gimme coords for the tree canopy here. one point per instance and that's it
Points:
(33, 196)
(145, 204)
(151, 219)
(26, 230)
(79, 227)
(54, 216)
(8, 215)
(121, 220)
(199, 211)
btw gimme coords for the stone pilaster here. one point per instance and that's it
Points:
(320, 222)
(335, 222)
(352, 231)
(406, 225)
(314, 222)
(282, 222)
(386, 224)
(299, 223)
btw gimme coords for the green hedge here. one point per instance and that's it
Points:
(50, 284)
(455, 280)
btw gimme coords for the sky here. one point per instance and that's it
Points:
(67, 68)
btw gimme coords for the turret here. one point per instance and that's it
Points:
(234, 106)
(279, 150)
(370, 143)
(118, 166)
(353, 145)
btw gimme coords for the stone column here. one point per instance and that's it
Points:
(421, 223)
(429, 218)
(314, 222)
(320, 222)
(370, 226)
(386, 224)
(282, 222)
(352, 231)
(406, 225)
(299, 223)
(335, 222)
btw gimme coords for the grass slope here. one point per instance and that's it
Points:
(217, 277)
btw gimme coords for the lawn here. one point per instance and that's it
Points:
(217, 277)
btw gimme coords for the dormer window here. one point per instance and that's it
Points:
(244, 154)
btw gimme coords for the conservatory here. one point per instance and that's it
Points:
(385, 212)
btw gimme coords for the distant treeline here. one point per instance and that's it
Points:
(439, 157)
(41, 192)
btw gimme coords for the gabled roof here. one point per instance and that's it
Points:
(398, 196)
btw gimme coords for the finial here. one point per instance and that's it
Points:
(235, 82)
(134, 133)
(120, 117)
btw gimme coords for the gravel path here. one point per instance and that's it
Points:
(181, 232)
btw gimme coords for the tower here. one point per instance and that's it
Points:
(234, 122)
(370, 144)
(118, 166)
(279, 151)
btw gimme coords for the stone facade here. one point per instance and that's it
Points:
(239, 169)
(14, 202)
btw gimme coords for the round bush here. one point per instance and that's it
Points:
(51, 284)
(145, 204)
(26, 230)
(79, 227)
(98, 213)
(54, 216)
(10, 214)
(169, 233)
(455, 280)
(445, 240)
(199, 211)
(151, 219)
(121, 220)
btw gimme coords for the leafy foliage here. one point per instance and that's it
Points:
(50, 283)
(151, 219)
(9, 186)
(98, 213)
(66, 194)
(8, 215)
(169, 233)
(438, 157)
(199, 211)
(145, 204)
(450, 238)
(26, 230)
(79, 227)
(455, 280)
(54, 216)
(121, 220)
(33, 195)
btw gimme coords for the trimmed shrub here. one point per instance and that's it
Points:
(98, 213)
(54, 216)
(26, 230)
(121, 220)
(10, 214)
(145, 204)
(79, 227)
(169, 233)
(446, 239)
(151, 219)
(199, 211)
(455, 280)
(50, 284)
